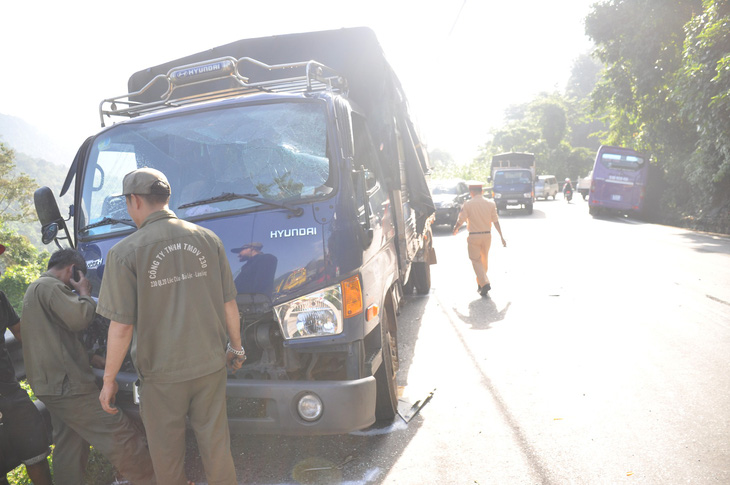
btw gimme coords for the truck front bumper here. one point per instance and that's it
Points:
(346, 406)
(270, 407)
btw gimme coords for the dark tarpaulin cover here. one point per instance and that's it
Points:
(373, 87)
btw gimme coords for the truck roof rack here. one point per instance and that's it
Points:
(222, 78)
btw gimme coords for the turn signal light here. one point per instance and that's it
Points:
(352, 296)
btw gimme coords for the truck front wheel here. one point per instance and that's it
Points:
(386, 402)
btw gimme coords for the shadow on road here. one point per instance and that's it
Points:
(483, 312)
(708, 243)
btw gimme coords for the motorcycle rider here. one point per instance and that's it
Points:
(568, 189)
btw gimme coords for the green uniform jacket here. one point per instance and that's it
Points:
(52, 352)
(170, 279)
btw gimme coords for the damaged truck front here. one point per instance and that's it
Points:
(299, 152)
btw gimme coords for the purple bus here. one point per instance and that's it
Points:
(619, 181)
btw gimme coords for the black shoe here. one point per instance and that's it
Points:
(483, 290)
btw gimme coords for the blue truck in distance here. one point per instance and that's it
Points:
(513, 180)
(298, 151)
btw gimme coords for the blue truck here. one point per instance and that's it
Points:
(298, 151)
(513, 180)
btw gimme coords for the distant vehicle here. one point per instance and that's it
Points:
(546, 186)
(584, 185)
(619, 181)
(513, 178)
(448, 197)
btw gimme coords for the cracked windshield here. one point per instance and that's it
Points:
(222, 160)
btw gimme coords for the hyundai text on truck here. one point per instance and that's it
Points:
(298, 148)
(513, 180)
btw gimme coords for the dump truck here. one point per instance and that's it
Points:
(299, 148)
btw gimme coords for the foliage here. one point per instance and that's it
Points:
(665, 92)
(98, 470)
(16, 190)
(21, 264)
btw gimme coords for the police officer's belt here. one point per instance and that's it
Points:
(483, 232)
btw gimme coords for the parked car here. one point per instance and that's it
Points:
(546, 186)
(448, 197)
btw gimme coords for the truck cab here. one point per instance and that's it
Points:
(513, 180)
(298, 152)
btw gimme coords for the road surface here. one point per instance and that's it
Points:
(602, 355)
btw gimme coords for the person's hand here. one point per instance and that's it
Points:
(97, 361)
(82, 286)
(504, 243)
(108, 396)
(233, 361)
(456, 230)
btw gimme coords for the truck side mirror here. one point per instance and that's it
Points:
(49, 216)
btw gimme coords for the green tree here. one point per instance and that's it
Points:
(440, 159)
(703, 92)
(16, 191)
(20, 265)
(665, 92)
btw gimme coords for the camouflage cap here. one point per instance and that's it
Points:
(145, 181)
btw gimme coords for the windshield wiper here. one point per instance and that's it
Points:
(107, 221)
(226, 196)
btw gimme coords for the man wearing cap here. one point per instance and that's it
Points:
(55, 308)
(257, 273)
(479, 215)
(168, 288)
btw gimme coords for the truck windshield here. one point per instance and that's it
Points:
(509, 177)
(275, 154)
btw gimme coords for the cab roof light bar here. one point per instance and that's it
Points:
(316, 77)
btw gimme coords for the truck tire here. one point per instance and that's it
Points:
(386, 401)
(421, 277)
(529, 208)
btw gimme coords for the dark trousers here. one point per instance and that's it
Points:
(79, 421)
(164, 407)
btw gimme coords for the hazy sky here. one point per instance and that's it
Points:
(459, 70)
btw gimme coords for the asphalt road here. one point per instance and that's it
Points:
(602, 355)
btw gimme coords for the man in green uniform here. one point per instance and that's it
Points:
(58, 371)
(169, 291)
(479, 215)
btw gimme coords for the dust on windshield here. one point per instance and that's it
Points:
(512, 177)
(267, 153)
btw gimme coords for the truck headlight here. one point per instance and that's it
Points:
(320, 314)
(527, 195)
(497, 195)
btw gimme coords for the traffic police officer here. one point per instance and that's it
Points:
(169, 285)
(479, 214)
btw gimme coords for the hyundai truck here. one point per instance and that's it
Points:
(298, 148)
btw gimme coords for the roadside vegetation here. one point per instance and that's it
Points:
(658, 81)
(20, 265)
